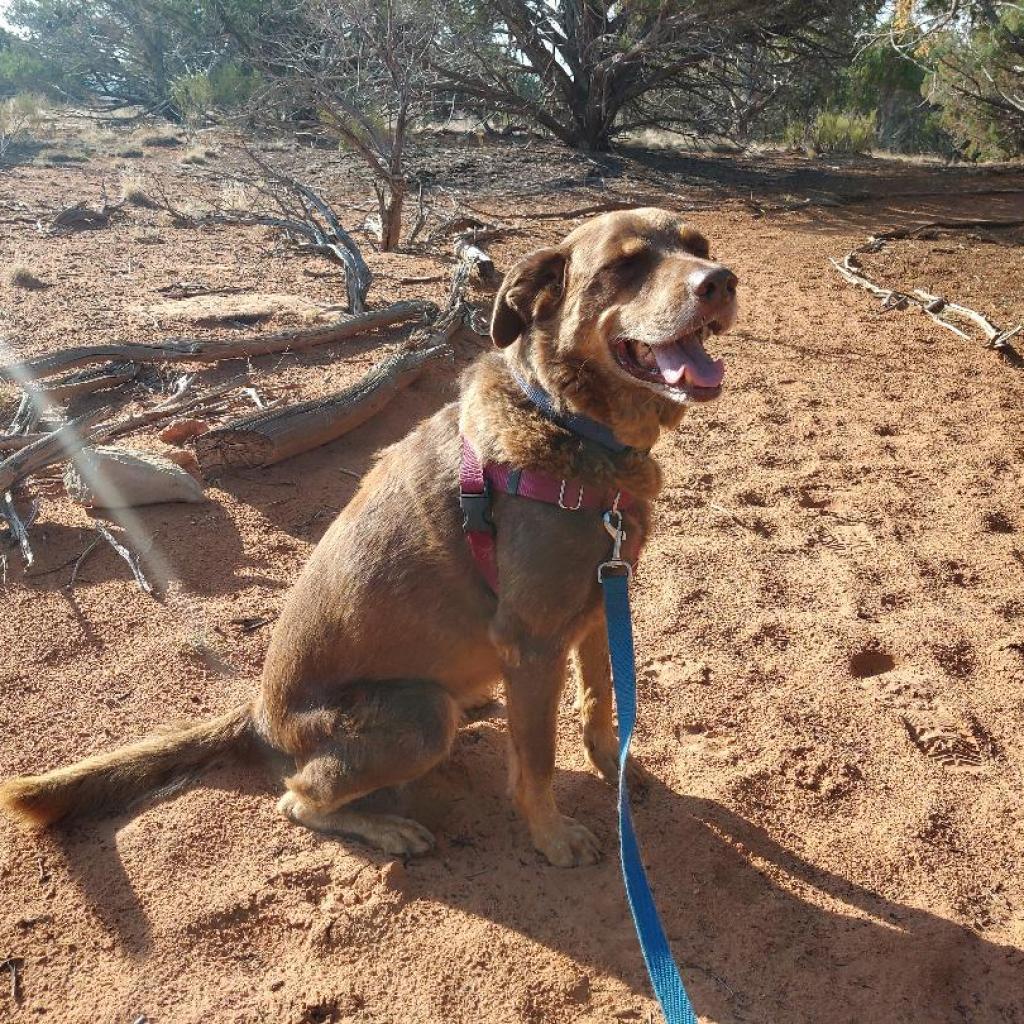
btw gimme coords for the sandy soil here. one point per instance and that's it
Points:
(830, 628)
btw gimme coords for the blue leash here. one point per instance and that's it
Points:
(664, 974)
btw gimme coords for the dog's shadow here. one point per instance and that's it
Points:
(761, 934)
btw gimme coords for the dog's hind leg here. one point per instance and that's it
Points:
(384, 734)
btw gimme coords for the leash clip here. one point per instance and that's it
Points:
(613, 524)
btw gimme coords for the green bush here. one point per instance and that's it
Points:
(192, 96)
(833, 131)
(19, 116)
(973, 81)
(228, 87)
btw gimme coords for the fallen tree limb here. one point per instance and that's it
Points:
(54, 447)
(132, 559)
(298, 211)
(934, 306)
(189, 350)
(87, 382)
(64, 443)
(480, 263)
(19, 528)
(270, 436)
(15, 442)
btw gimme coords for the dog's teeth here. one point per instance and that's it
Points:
(646, 356)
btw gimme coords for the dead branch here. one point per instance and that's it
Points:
(13, 964)
(15, 442)
(193, 350)
(478, 260)
(18, 527)
(298, 211)
(54, 447)
(934, 306)
(88, 429)
(267, 437)
(132, 559)
(27, 416)
(87, 382)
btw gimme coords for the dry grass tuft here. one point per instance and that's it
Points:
(133, 189)
(195, 155)
(21, 275)
(160, 140)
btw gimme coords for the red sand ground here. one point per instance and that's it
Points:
(830, 626)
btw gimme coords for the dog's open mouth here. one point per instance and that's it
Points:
(682, 367)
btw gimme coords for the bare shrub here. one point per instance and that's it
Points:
(133, 189)
(19, 117)
(21, 275)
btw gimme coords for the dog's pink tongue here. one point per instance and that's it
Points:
(689, 363)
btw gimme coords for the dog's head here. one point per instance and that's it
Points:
(614, 319)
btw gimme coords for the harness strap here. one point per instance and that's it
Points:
(476, 482)
(475, 499)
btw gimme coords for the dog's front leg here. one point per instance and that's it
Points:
(534, 676)
(594, 703)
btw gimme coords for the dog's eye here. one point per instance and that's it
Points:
(628, 261)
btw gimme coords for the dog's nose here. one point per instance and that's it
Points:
(713, 285)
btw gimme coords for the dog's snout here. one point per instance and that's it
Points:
(713, 285)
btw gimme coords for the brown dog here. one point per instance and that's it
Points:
(390, 630)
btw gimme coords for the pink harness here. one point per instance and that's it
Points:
(476, 481)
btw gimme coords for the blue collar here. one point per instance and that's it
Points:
(579, 424)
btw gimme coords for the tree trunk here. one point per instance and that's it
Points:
(391, 216)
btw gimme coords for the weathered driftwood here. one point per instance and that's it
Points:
(60, 445)
(479, 261)
(109, 476)
(934, 306)
(27, 416)
(87, 382)
(270, 436)
(300, 212)
(54, 447)
(14, 442)
(191, 350)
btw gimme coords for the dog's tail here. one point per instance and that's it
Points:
(111, 782)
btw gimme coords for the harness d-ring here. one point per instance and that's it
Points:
(561, 497)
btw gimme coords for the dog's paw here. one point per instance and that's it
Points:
(568, 844)
(402, 837)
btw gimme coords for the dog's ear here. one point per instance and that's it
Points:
(695, 242)
(531, 288)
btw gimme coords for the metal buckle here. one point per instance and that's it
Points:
(613, 524)
(619, 564)
(561, 496)
(476, 512)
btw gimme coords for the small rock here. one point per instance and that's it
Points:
(579, 990)
(188, 462)
(179, 431)
(394, 875)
